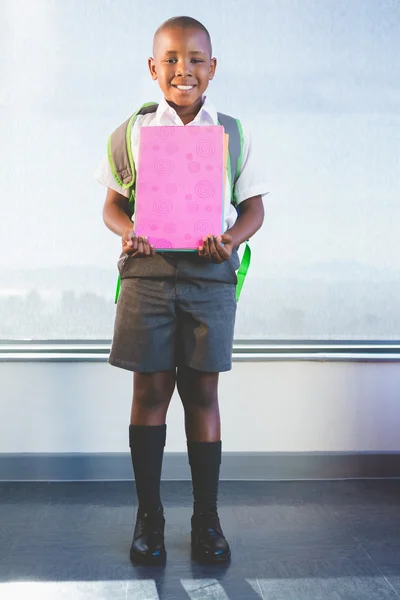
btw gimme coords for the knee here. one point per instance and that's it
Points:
(153, 393)
(151, 399)
(204, 399)
(198, 390)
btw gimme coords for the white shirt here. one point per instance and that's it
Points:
(250, 182)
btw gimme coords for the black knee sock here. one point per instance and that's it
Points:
(147, 449)
(205, 460)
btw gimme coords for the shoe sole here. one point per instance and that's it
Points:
(138, 559)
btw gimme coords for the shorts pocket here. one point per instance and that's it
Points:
(122, 262)
(234, 263)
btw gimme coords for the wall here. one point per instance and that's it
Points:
(266, 407)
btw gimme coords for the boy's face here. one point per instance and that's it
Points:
(182, 65)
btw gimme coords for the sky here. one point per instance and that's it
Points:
(316, 82)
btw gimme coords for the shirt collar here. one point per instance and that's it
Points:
(206, 115)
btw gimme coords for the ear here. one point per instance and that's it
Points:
(213, 67)
(152, 68)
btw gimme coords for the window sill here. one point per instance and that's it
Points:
(243, 351)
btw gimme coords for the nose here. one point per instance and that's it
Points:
(183, 68)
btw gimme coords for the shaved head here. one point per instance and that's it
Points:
(181, 23)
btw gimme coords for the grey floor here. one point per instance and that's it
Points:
(290, 541)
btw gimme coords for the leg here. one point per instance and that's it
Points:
(144, 342)
(199, 394)
(152, 393)
(147, 432)
(206, 317)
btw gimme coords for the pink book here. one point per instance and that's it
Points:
(180, 185)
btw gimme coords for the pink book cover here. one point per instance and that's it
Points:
(180, 185)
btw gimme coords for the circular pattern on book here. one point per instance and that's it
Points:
(192, 207)
(204, 227)
(163, 167)
(188, 196)
(209, 167)
(154, 227)
(194, 130)
(171, 188)
(165, 132)
(205, 189)
(193, 167)
(170, 228)
(205, 148)
(155, 188)
(208, 208)
(171, 148)
(160, 243)
(188, 236)
(162, 207)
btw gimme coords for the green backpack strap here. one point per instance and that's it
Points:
(242, 272)
(233, 128)
(117, 289)
(119, 150)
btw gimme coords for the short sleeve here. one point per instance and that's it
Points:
(252, 180)
(103, 174)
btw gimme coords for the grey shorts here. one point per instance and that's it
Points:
(175, 309)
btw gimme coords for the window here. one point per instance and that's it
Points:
(315, 82)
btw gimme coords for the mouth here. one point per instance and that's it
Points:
(184, 88)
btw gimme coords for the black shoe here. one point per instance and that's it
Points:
(208, 542)
(148, 539)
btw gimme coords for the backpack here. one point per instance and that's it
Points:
(120, 157)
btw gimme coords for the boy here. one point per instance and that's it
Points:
(176, 311)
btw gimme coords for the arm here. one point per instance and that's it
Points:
(249, 221)
(117, 213)
(251, 217)
(117, 217)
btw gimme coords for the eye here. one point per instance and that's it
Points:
(197, 60)
(171, 60)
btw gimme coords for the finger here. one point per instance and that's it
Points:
(129, 235)
(206, 249)
(213, 250)
(129, 243)
(226, 238)
(140, 245)
(146, 247)
(223, 252)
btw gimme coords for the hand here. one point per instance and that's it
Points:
(136, 246)
(216, 249)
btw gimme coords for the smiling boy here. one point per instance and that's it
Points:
(176, 312)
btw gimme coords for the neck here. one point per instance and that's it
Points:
(187, 113)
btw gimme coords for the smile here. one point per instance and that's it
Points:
(184, 88)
